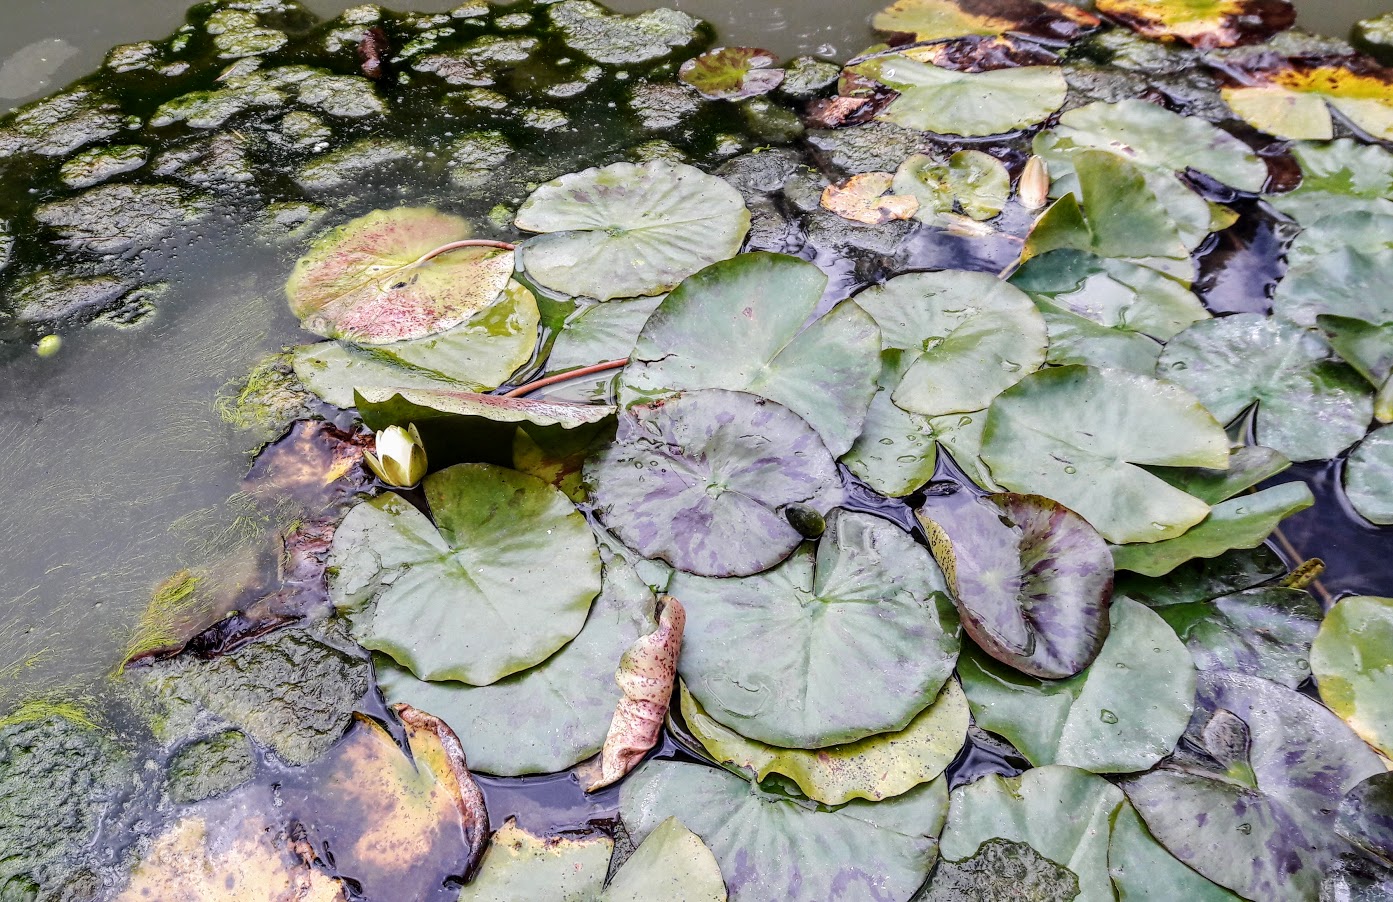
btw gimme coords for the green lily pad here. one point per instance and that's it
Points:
(739, 325)
(521, 865)
(503, 583)
(383, 407)
(1339, 264)
(1248, 466)
(1352, 174)
(629, 229)
(673, 865)
(972, 104)
(783, 657)
(595, 333)
(1002, 869)
(1079, 341)
(877, 767)
(1123, 713)
(1256, 812)
(934, 20)
(1242, 522)
(896, 452)
(475, 356)
(1204, 580)
(731, 73)
(1142, 869)
(1077, 435)
(1354, 669)
(1031, 579)
(1366, 817)
(968, 335)
(1204, 24)
(1365, 346)
(1310, 406)
(1369, 477)
(961, 436)
(970, 179)
(375, 281)
(774, 847)
(702, 480)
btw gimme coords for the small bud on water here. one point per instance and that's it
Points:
(1034, 186)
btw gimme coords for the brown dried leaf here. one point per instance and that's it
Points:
(862, 198)
(1205, 24)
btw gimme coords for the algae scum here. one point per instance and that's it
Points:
(878, 480)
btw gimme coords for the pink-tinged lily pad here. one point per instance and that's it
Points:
(377, 279)
(1032, 580)
(732, 73)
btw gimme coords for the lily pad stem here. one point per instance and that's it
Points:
(469, 242)
(530, 387)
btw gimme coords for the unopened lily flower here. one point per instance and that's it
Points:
(400, 460)
(1034, 186)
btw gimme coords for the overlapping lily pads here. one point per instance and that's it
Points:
(1202, 23)
(671, 864)
(1288, 98)
(975, 181)
(1353, 666)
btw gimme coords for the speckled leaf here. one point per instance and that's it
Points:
(1256, 814)
(971, 104)
(1287, 97)
(374, 281)
(1142, 869)
(671, 865)
(975, 181)
(739, 325)
(969, 335)
(1031, 578)
(1248, 466)
(1122, 714)
(1310, 405)
(383, 407)
(629, 229)
(508, 575)
(1352, 659)
(731, 73)
(701, 480)
(877, 767)
(1365, 817)
(1205, 24)
(1002, 869)
(1369, 477)
(521, 865)
(772, 847)
(933, 20)
(783, 657)
(1077, 434)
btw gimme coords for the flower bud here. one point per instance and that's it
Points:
(1034, 186)
(400, 460)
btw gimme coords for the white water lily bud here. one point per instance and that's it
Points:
(400, 460)
(1034, 186)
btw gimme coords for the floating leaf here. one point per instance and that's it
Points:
(1287, 97)
(877, 767)
(782, 656)
(1248, 466)
(1001, 869)
(1358, 176)
(1141, 867)
(732, 73)
(475, 356)
(1369, 477)
(521, 865)
(1310, 406)
(862, 198)
(378, 279)
(1079, 341)
(1354, 668)
(687, 481)
(1366, 817)
(739, 325)
(1123, 713)
(975, 181)
(1339, 264)
(1366, 347)
(556, 456)
(1077, 434)
(895, 453)
(627, 230)
(933, 20)
(971, 104)
(502, 584)
(1256, 816)
(383, 407)
(1204, 24)
(774, 847)
(595, 333)
(969, 335)
(1031, 578)
(1204, 580)
(673, 865)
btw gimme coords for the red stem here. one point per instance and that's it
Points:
(530, 387)
(470, 242)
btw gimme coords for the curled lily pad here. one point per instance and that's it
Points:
(732, 73)
(933, 20)
(702, 480)
(1369, 477)
(1123, 713)
(1354, 668)
(1310, 406)
(502, 584)
(740, 325)
(1288, 98)
(378, 279)
(1253, 807)
(975, 181)
(1077, 434)
(1205, 24)
(672, 864)
(782, 657)
(862, 198)
(877, 767)
(627, 230)
(774, 847)
(1030, 577)
(969, 335)
(383, 407)
(521, 865)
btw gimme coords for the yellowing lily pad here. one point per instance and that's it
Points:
(1205, 24)
(862, 198)
(522, 865)
(672, 865)
(1050, 21)
(1352, 659)
(731, 73)
(1289, 99)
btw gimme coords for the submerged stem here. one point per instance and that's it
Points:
(530, 387)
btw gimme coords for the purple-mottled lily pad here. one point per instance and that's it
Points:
(1252, 803)
(703, 479)
(1365, 817)
(732, 73)
(1032, 580)
(374, 280)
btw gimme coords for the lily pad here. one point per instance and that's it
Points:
(783, 657)
(774, 847)
(1366, 347)
(556, 456)
(1339, 265)
(970, 336)
(1288, 98)
(933, 20)
(877, 767)
(376, 279)
(595, 333)
(731, 73)
(502, 584)
(1123, 713)
(1142, 869)
(1205, 580)
(740, 325)
(1204, 24)
(672, 864)
(1366, 817)
(862, 198)
(896, 452)
(1257, 814)
(1360, 175)
(972, 104)
(1030, 577)
(1369, 477)
(1310, 406)
(383, 407)
(970, 179)
(702, 480)
(1079, 341)
(629, 229)
(521, 865)
(1354, 669)
(1248, 466)
(1077, 434)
